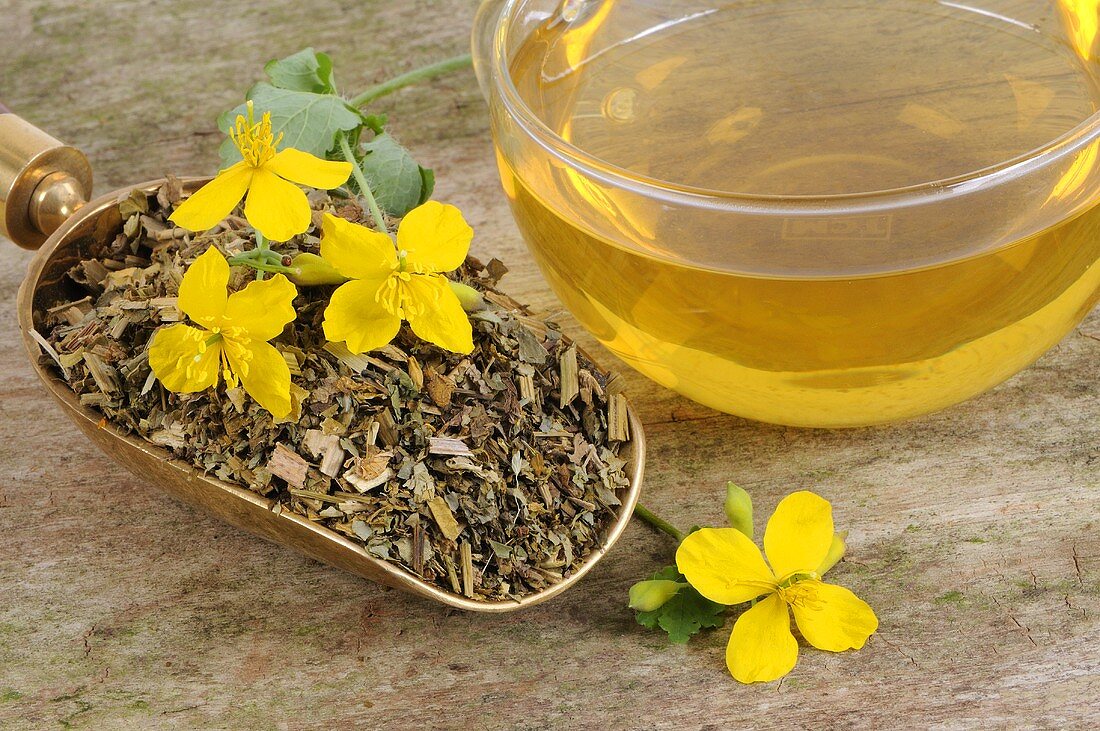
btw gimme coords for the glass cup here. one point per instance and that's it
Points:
(822, 213)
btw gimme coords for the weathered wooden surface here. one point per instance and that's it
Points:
(974, 532)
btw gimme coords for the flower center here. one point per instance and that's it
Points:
(255, 141)
(798, 592)
(396, 294)
(236, 356)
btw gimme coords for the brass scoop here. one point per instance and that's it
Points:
(44, 186)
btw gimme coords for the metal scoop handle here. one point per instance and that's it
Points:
(43, 181)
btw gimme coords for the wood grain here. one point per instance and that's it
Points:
(974, 532)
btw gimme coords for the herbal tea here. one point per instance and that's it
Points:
(832, 320)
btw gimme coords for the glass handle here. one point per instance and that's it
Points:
(486, 23)
(43, 181)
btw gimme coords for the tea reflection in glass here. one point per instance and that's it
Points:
(809, 212)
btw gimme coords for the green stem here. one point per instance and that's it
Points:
(272, 268)
(263, 256)
(658, 522)
(262, 248)
(364, 186)
(421, 74)
(244, 260)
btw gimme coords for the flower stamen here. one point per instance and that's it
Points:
(802, 596)
(389, 295)
(255, 141)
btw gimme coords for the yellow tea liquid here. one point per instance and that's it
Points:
(805, 320)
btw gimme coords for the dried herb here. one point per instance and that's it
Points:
(492, 475)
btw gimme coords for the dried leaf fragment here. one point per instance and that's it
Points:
(370, 471)
(444, 518)
(416, 373)
(440, 388)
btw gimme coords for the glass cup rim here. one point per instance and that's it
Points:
(500, 79)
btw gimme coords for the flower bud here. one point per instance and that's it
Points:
(470, 298)
(836, 552)
(645, 596)
(313, 271)
(738, 508)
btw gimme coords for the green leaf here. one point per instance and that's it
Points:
(685, 614)
(309, 122)
(305, 70)
(668, 573)
(399, 184)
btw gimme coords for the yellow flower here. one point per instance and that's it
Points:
(726, 567)
(388, 285)
(275, 207)
(232, 339)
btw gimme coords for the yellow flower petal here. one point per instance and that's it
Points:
(762, 648)
(799, 533)
(724, 566)
(836, 552)
(356, 318)
(435, 314)
(305, 169)
(356, 251)
(263, 308)
(831, 617)
(435, 236)
(202, 295)
(210, 204)
(181, 361)
(277, 209)
(264, 375)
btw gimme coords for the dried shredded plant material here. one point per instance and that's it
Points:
(492, 475)
(444, 518)
(287, 464)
